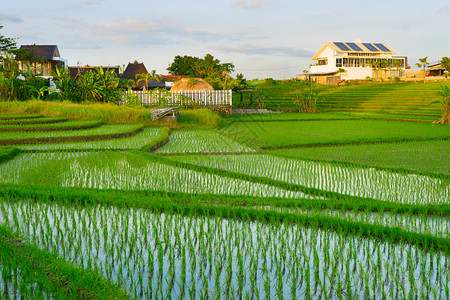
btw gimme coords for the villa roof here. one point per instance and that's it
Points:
(47, 52)
(364, 48)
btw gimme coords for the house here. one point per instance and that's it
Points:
(75, 71)
(42, 59)
(136, 68)
(355, 61)
(435, 69)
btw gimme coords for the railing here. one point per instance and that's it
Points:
(198, 98)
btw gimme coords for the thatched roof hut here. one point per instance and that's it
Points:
(185, 84)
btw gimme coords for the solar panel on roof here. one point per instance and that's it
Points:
(342, 46)
(354, 46)
(382, 47)
(370, 47)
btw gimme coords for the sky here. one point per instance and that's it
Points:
(262, 38)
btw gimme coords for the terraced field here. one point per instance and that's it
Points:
(404, 101)
(281, 206)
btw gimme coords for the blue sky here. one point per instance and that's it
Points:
(263, 38)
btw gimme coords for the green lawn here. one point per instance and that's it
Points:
(281, 134)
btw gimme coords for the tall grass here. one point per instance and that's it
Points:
(203, 117)
(106, 112)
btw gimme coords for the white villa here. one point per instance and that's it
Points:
(355, 61)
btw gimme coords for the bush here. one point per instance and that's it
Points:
(203, 117)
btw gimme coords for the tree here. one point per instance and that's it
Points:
(423, 63)
(7, 44)
(398, 63)
(385, 64)
(376, 65)
(148, 77)
(206, 68)
(445, 63)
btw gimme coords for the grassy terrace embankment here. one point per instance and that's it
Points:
(404, 101)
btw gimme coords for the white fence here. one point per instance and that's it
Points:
(199, 98)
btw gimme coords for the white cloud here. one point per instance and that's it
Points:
(251, 3)
(128, 26)
(444, 10)
(9, 17)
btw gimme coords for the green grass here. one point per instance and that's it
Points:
(375, 98)
(282, 134)
(103, 130)
(22, 116)
(137, 141)
(195, 141)
(69, 125)
(32, 273)
(284, 117)
(106, 112)
(31, 121)
(7, 152)
(422, 156)
(200, 118)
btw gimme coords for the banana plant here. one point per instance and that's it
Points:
(36, 93)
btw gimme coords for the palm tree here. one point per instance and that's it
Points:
(376, 65)
(423, 63)
(148, 77)
(384, 64)
(398, 63)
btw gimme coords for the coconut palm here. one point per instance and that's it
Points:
(423, 63)
(148, 77)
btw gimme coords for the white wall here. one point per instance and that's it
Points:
(357, 73)
(330, 67)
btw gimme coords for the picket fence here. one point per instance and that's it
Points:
(172, 98)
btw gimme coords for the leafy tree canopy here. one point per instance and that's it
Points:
(207, 67)
(6, 44)
(445, 63)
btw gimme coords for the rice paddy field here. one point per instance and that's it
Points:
(287, 206)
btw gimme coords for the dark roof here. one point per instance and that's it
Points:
(75, 71)
(136, 68)
(155, 84)
(132, 70)
(48, 52)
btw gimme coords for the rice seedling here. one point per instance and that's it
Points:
(419, 156)
(125, 253)
(103, 130)
(136, 141)
(195, 141)
(275, 135)
(126, 171)
(362, 182)
(69, 125)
